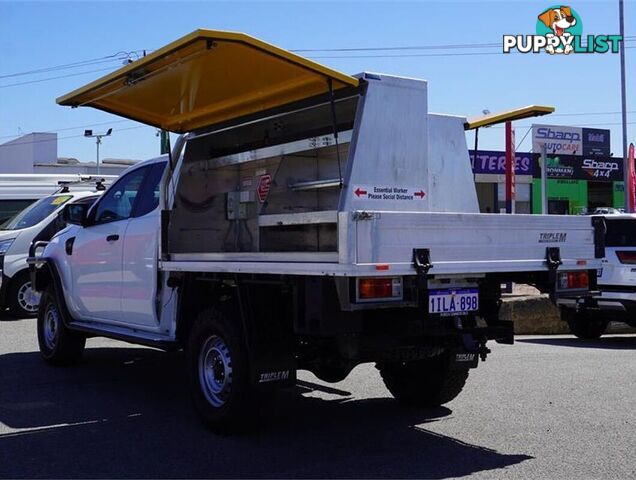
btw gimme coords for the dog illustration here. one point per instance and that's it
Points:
(558, 20)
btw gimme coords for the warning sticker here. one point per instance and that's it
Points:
(364, 192)
(263, 187)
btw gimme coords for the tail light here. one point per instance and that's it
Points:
(626, 257)
(380, 288)
(574, 280)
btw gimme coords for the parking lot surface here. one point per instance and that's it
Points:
(547, 407)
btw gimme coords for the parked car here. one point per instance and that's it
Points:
(39, 221)
(616, 282)
(18, 191)
(606, 211)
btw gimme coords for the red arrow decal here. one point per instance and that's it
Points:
(358, 191)
(420, 194)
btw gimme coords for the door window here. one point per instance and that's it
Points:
(149, 196)
(118, 202)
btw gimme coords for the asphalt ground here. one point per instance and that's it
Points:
(547, 407)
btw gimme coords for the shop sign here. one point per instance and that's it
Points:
(494, 162)
(596, 142)
(557, 139)
(574, 167)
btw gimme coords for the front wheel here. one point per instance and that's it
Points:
(58, 344)
(584, 325)
(23, 299)
(219, 372)
(423, 383)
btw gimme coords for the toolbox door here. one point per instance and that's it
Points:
(208, 78)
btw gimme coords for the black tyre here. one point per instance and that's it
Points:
(22, 299)
(58, 344)
(583, 324)
(218, 369)
(423, 383)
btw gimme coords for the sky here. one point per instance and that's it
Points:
(585, 89)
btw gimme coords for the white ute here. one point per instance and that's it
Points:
(616, 300)
(305, 219)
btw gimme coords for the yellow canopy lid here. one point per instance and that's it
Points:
(205, 78)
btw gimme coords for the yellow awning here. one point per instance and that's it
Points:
(205, 78)
(508, 116)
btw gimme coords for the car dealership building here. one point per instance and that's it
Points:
(582, 173)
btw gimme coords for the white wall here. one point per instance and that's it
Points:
(37, 153)
(20, 155)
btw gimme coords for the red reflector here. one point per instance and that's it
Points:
(626, 256)
(383, 266)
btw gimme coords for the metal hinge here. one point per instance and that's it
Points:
(422, 260)
(553, 257)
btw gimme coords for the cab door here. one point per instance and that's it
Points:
(141, 249)
(96, 252)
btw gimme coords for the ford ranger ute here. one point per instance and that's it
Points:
(305, 219)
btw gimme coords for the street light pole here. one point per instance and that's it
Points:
(621, 22)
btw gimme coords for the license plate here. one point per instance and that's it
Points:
(453, 301)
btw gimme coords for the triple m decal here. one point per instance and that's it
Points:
(559, 30)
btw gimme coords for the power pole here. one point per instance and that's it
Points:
(623, 103)
(164, 139)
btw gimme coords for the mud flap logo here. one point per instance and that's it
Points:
(465, 357)
(274, 376)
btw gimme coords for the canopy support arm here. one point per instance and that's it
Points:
(334, 121)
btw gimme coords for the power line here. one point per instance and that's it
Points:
(71, 136)
(69, 128)
(587, 113)
(389, 55)
(414, 47)
(578, 125)
(119, 56)
(123, 55)
(405, 47)
(54, 78)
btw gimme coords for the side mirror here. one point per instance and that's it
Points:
(76, 213)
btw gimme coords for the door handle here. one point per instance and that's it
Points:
(112, 238)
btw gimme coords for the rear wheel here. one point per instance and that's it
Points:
(423, 383)
(23, 300)
(584, 325)
(219, 372)
(58, 344)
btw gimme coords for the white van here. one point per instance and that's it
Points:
(39, 221)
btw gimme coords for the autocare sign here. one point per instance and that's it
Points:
(263, 187)
(558, 140)
(386, 192)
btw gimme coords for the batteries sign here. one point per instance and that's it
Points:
(385, 192)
